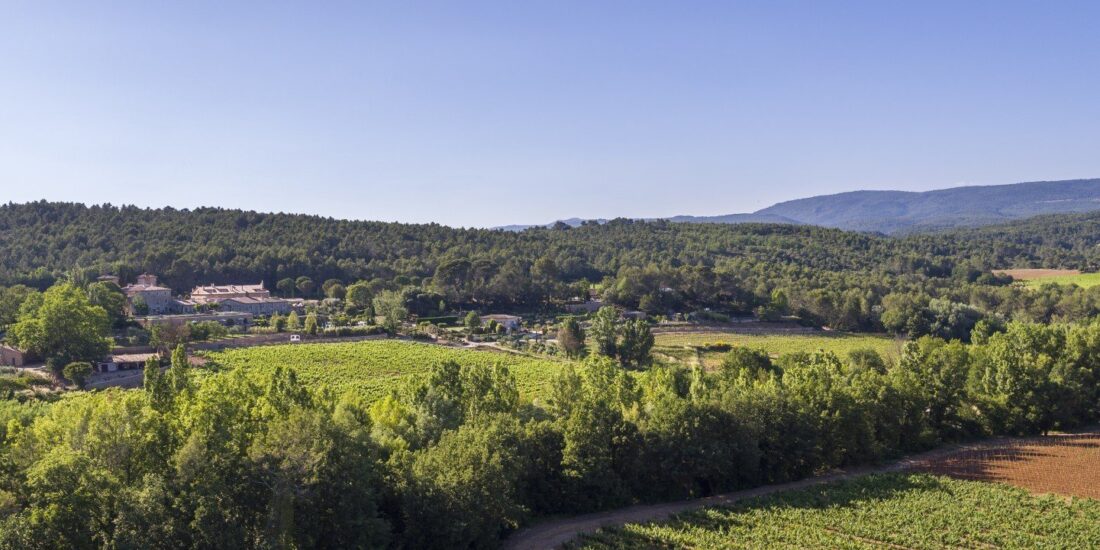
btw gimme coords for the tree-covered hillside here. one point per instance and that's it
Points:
(829, 275)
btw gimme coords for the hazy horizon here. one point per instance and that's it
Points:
(492, 114)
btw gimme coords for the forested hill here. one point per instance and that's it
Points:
(830, 276)
(40, 240)
(903, 212)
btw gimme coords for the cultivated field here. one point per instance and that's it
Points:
(879, 511)
(1032, 274)
(1036, 277)
(780, 343)
(375, 367)
(1067, 464)
(1083, 280)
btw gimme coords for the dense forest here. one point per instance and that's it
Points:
(826, 276)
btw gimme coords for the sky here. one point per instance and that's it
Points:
(492, 113)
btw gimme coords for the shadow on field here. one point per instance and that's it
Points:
(840, 494)
(1066, 464)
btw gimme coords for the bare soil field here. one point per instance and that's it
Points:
(1066, 464)
(1031, 274)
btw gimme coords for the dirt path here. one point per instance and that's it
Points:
(554, 533)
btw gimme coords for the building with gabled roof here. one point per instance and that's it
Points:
(509, 322)
(209, 293)
(254, 299)
(158, 298)
(12, 357)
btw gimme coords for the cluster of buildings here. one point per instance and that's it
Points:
(152, 304)
(244, 299)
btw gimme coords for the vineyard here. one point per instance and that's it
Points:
(892, 510)
(375, 367)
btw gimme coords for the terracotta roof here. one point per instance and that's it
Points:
(228, 289)
(247, 300)
(239, 300)
(143, 288)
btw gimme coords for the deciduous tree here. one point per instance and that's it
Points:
(77, 372)
(390, 305)
(62, 327)
(571, 337)
(604, 331)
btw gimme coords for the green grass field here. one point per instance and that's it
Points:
(375, 367)
(1083, 280)
(883, 511)
(779, 344)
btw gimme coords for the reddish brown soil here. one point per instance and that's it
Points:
(1066, 464)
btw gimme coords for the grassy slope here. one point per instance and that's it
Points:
(779, 344)
(1084, 280)
(375, 367)
(912, 511)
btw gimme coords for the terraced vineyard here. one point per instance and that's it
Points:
(375, 367)
(882, 511)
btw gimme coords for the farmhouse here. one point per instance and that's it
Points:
(11, 357)
(254, 299)
(509, 322)
(590, 306)
(124, 361)
(255, 306)
(209, 293)
(158, 298)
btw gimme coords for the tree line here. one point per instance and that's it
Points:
(828, 276)
(458, 459)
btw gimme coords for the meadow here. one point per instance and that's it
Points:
(880, 511)
(1033, 278)
(1083, 280)
(781, 344)
(375, 367)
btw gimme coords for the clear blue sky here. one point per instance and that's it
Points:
(470, 113)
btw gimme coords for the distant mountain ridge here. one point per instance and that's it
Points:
(896, 212)
(900, 211)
